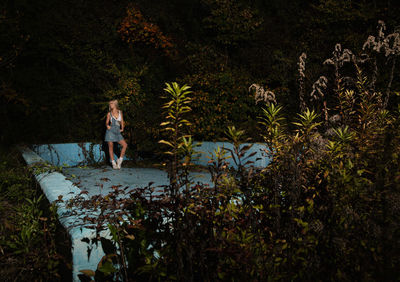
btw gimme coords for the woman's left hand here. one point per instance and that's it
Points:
(121, 130)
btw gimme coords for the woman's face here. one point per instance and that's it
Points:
(112, 105)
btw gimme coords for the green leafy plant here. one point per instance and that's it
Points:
(29, 225)
(175, 110)
(325, 207)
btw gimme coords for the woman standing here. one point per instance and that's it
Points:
(115, 125)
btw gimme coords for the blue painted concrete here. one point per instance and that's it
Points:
(95, 181)
(207, 150)
(70, 154)
(55, 185)
(74, 154)
(99, 181)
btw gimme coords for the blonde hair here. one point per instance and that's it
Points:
(116, 104)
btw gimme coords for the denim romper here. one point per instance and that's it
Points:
(114, 134)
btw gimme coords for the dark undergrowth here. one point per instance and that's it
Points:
(33, 244)
(326, 208)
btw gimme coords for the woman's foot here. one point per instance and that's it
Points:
(119, 162)
(114, 165)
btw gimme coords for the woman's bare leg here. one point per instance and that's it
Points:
(124, 146)
(111, 150)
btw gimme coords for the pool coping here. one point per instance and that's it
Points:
(59, 190)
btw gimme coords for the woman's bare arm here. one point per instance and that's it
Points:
(108, 121)
(122, 123)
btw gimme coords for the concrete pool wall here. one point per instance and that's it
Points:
(55, 186)
(70, 154)
(74, 154)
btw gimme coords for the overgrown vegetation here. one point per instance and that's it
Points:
(325, 208)
(66, 61)
(32, 242)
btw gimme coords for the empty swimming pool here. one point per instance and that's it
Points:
(100, 181)
(78, 178)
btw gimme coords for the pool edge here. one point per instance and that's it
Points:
(55, 187)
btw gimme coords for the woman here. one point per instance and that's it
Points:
(115, 125)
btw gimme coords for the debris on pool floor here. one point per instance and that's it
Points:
(100, 181)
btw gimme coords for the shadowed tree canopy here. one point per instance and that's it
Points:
(61, 61)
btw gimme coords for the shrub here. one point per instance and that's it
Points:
(325, 208)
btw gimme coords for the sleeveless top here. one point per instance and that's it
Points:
(117, 119)
(113, 134)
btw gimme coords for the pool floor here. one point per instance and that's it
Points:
(101, 180)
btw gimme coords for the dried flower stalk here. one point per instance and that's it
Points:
(262, 95)
(302, 77)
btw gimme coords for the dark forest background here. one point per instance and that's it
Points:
(61, 61)
(327, 206)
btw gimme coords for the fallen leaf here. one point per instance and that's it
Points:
(88, 272)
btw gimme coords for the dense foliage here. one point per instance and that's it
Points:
(61, 61)
(32, 242)
(325, 208)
